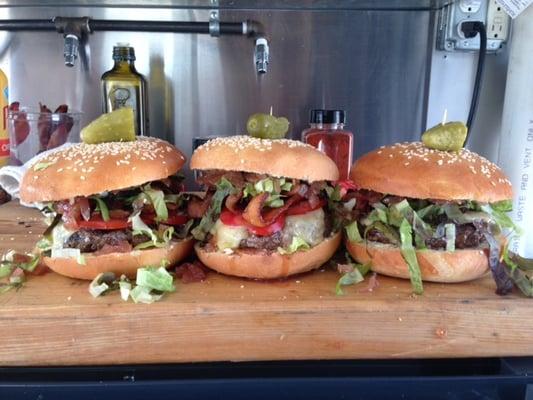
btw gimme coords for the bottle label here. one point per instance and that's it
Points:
(123, 96)
(4, 148)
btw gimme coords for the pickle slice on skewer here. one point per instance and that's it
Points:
(116, 126)
(265, 126)
(447, 137)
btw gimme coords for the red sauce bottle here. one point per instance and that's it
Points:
(327, 134)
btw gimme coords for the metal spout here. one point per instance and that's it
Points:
(71, 49)
(73, 30)
(261, 57)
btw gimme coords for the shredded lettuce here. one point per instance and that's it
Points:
(150, 285)
(297, 244)
(352, 231)
(409, 255)
(450, 237)
(502, 206)
(285, 186)
(349, 278)
(157, 199)
(430, 211)
(44, 244)
(224, 188)
(125, 288)
(177, 199)
(274, 201)
(402, 210)
(142, 294)
(387, 231)
(6, 268)
(48, 233)
(499, 216)
(355, 275)
(102, 207)
(453, 212)
(102, 284)
(334, 193)
(155, 278)
(270, 186)
(140, 228)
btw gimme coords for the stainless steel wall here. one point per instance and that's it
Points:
(373, 63)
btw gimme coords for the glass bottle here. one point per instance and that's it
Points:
(326, 132)
(123, 86)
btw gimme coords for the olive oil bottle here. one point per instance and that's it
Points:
(123, 86)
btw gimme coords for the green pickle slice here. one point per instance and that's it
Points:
(116, 126)
(446, 137)
(266, 126)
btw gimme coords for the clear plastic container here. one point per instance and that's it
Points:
(32, 132)
(327, 134)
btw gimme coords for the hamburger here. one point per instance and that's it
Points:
(429, 215)
(111, 207)
(265, 213)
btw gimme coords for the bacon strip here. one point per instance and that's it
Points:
(252, 213)
(231, 202)
(197, 207)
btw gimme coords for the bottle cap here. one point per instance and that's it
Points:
(327, 117)
(123, 52)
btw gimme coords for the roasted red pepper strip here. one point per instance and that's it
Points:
(20, 122)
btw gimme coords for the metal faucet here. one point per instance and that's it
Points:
(73, 30)
(261, 57)
(71, 49)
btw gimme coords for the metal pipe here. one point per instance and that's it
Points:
(76, 29)
(27, 25)
(226, 28)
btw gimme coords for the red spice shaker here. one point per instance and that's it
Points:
(327, 134)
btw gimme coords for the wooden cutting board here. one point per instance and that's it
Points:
(53, 320)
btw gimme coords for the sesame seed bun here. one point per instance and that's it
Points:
(278, 158)
(435, 265)
(261, 264)
(87, 169)
(120, 263)
(413, 170)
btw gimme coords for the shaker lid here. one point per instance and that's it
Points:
(327, 117)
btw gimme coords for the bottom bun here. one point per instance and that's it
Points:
(119, 263)
(435, 265)
(264, 265)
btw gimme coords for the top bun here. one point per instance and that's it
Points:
(278, 158)
(416, 171)
(87, 169)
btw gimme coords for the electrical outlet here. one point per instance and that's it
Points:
(450, 36)
(498, 22)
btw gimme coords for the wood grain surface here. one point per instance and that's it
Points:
(53, 320)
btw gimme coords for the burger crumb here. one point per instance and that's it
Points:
(282, 337)
(441, 332)
(242, 286)
(400, 319)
